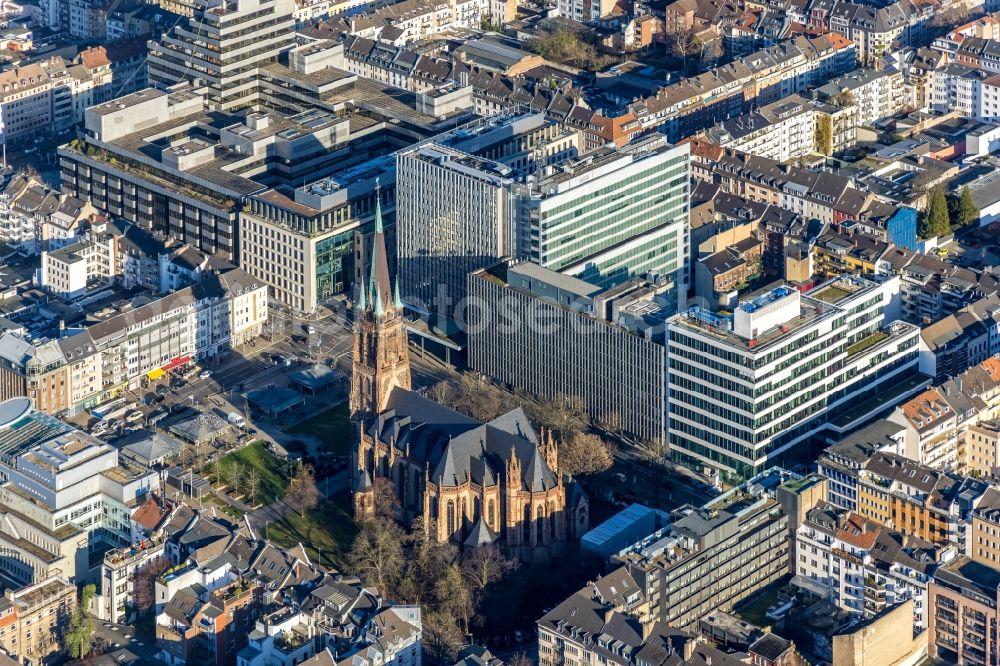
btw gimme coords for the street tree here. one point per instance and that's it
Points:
(584, 453)
(302, 494)
(564, 415)
(80, 637)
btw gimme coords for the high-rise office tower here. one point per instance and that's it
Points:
(453, 216)
(606, 217)
(222, 46)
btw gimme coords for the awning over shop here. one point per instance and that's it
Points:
(176, 363)
(155, 374)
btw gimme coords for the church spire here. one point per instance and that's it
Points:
(380, 292)
(381, 361)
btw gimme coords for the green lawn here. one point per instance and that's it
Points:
(865, 343)
(830, 294)
(273, 472)
(327, 531)
(227, 509)
(332, 428)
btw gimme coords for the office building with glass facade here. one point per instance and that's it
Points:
(614, 215)
(605, 217)
(309, 244)
(745, 388)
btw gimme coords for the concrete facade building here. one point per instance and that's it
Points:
(65, 495)
(458, 213)
(586, 347)
(71, 270)
(454, 215)
(33, 619)
(716, 555)
(35, 98)
(221, 46)
(746, 387)
(963, 612)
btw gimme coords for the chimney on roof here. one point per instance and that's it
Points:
(62, 328)
(688, 649)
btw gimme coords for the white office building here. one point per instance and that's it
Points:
(64, 495)
(785, 367)
(222, 46)
(614, 214)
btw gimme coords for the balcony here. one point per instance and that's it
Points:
(124, 556)
(289, 642)
(235, 593)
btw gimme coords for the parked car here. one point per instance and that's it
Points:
(205, 374)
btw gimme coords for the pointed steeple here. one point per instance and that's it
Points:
(380, 291)
(362, 303)
(397, 302)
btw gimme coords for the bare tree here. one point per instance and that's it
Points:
(520, 659)
(386, 504)
(453, 596)
(237, 476)
(302, 493)
(610, 422)
(584, 453)
(251, 484)
(144, 592)
(377, 554)
(484, 566)
(426, 562)
(443, 392)
(217, 473)
(564, 415)
(442, 637)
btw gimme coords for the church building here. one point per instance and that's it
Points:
(472, 483)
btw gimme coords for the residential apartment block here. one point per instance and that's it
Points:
(917, 500)
(862, 566)
(607, 622)
(782, 130)
(71, 270)
(963, 604)
(693, 104)
(719, 554)
(34, 618)
(227, 600)
(222, 310)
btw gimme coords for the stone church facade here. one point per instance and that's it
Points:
(472, 483)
